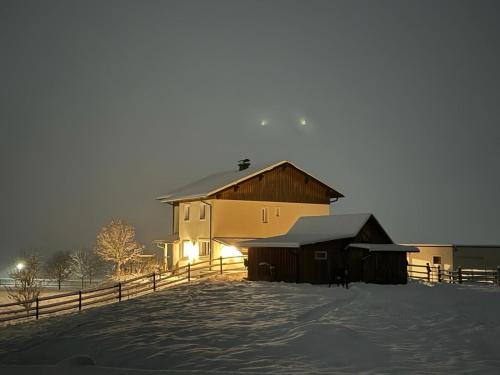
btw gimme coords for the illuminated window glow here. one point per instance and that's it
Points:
(230, 251)
(190, 250)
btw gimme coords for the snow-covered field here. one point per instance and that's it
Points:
(259, 327)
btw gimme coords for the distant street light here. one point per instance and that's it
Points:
(20, 266)
(303, 122)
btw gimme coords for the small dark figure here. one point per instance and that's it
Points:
(338, 279)
(346, 278)
(338, 276)
(272, 272)
(245, 262)
(428, 272)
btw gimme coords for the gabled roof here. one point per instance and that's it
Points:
(214, 183)
(314, 229)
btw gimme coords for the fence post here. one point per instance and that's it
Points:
(37, 306)
(460, 275)
(428, 273)
(189, 272)
(439, 274)
(79, 300)
(498, 275)
(220, 262)
(119, 292)
(154, 281)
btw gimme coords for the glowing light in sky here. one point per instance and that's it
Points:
(263, 122)
(303, 122)
(20, 266)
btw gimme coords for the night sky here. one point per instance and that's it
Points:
(106, 105)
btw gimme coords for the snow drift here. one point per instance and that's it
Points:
(260, 327)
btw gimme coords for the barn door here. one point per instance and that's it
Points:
(321, 267)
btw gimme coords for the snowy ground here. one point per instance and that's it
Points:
(260, 327)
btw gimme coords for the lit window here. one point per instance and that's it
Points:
(264, 215)
(204, 248)
(186, 248)
(186, 212)
(203, 209)
(436, 260)
(320, 255)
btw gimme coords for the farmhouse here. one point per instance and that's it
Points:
(211, 215)
(321, 249)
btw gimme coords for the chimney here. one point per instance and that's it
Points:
(243, 164)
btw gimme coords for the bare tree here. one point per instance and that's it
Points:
(95, 265)
(116, 243)
(58, 267)
(85, 264)
(27, 284)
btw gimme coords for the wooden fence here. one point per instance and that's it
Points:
(117, 292)
(460, 275)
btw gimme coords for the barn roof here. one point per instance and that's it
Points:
(376, 247)
(214, 183)
(314, 229)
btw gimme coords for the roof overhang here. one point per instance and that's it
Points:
(264, 243)
(232, 241)
(169, 239)
(375, 247)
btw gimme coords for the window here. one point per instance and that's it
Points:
(203, 211)
(204, 248)
(186, 212)
(436, 260)
(320, 255)
(278, 211)
(264, 215)
(187, 247)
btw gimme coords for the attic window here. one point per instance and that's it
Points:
(436, 260)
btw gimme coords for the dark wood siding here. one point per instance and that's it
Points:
(284, 183)
(322, 271)
(385, 268)
(284, 261)
(372, 232)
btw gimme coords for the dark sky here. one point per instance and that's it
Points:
(105, 105)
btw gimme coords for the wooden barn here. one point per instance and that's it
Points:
(320, 249)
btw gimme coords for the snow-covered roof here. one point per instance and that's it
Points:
(314, 229)
(376, 247)
(452, 245)
(219, 181)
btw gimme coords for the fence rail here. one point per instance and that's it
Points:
(459, 276)
(53, 284)
(80, 299)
